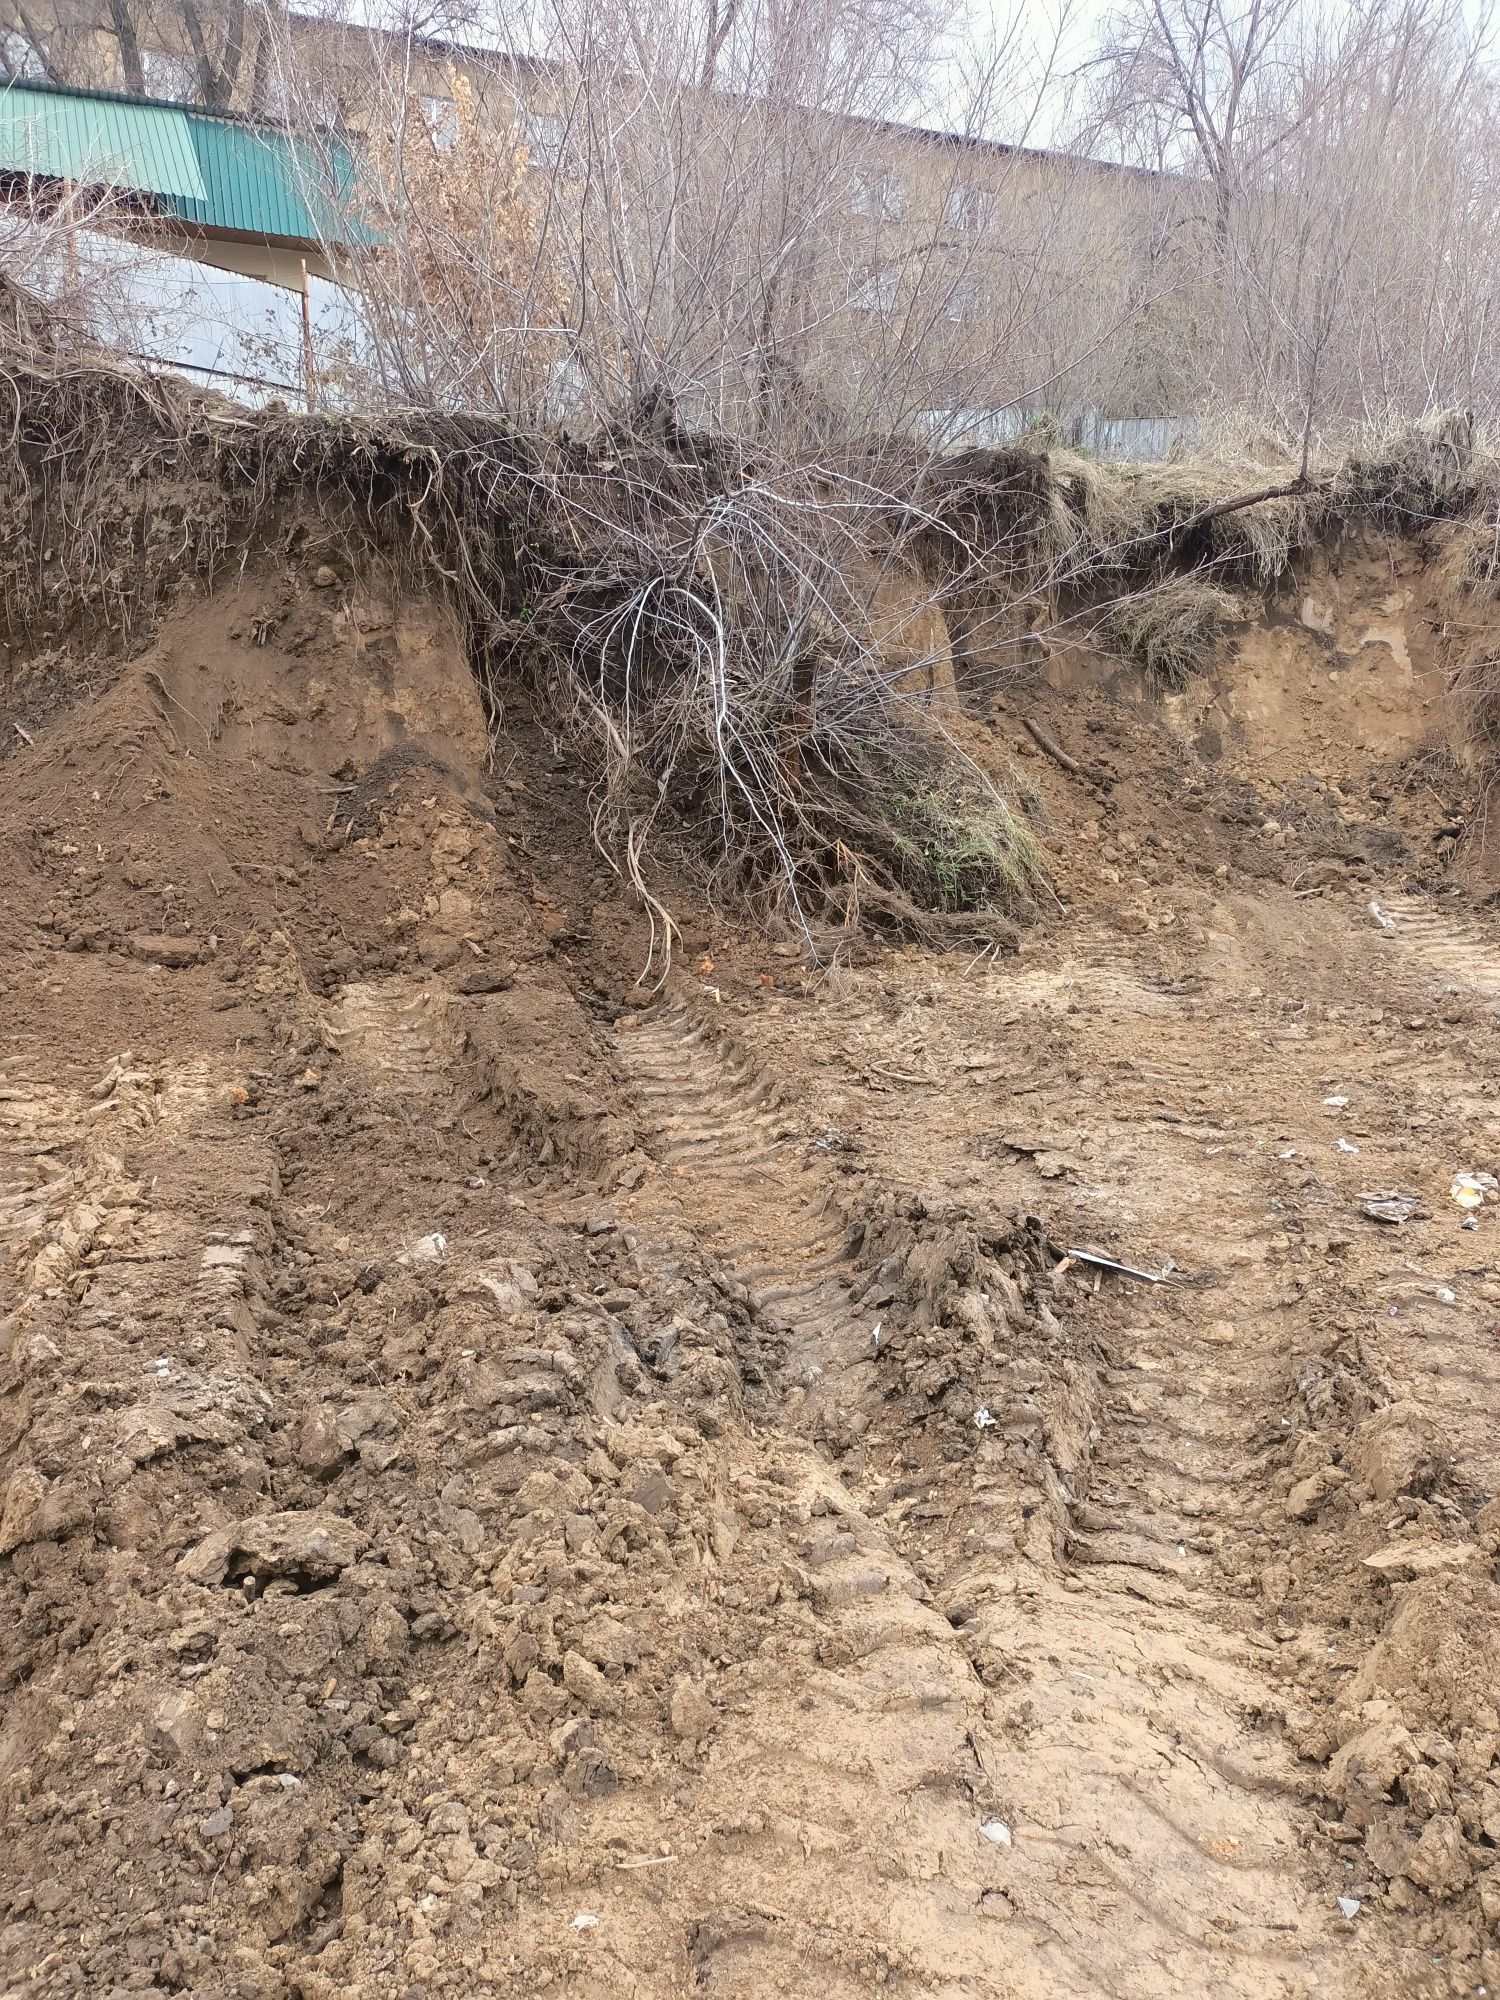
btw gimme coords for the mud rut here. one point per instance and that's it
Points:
(1158, 1833)
(1014, 1654)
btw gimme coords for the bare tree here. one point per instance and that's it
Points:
(188, 49)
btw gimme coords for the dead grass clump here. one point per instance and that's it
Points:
(1468, 569)
(1171, 631)
(955, 843)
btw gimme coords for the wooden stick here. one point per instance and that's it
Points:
(1055, 751)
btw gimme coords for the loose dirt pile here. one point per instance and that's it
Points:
(516, 1482)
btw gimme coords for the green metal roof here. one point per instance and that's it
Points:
(208, 168)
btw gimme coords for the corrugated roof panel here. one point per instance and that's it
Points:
(219, 172)
(249, 179)
(99, 142)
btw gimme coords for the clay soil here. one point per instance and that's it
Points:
(517, 1481)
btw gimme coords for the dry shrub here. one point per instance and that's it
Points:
(468, 277)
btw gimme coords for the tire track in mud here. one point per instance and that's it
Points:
(1153, 1840)
(1452, 953)
(759, 1206)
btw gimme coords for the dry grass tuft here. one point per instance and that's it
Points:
(1171, 631)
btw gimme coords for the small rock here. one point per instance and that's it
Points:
(157, 949)
(580, 1532)
(23, 1503)
(314, 1545)
(586, 1684)
(1387, 1846)
(324, 578)
(1439, 1862)
(1420, 1558)
(691, 1710)
(321, 1447)
(482, 979)
(174, 1727)
(652, 1493)
(1308, 1495)
(996, 1832)
(216, 1823)
(1394, 1451)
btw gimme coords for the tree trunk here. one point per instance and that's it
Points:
(131, 67)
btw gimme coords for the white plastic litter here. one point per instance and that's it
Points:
(1345, 1147)
(995, 1830)
(1338, 1103)
(982, 1418)
(584, 1921)
(1350, 1905)
(430, 1249)
(1472, 1191)
(1386, 922)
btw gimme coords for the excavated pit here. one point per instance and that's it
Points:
(515, 1482)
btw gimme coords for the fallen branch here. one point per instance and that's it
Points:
(1053, 749)
(1301, 484)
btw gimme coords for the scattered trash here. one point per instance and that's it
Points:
(1343, 1146)
(1351, 1905)
(1390, 1205)
(1472, 1192)
(584, 1921)
(1289, 1154)
(875, 1334)
(982, 1418)
(1386, 923)
(1125, 1270)
(997, 1831)
(430, 1249)
(1338, 1103)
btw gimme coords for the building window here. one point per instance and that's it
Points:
(879, 194)
(876, 291)
(21, 60)
(441, 115)
(545, 135)
(172, 79)
(967, 208)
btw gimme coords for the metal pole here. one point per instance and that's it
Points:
(309, 382)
